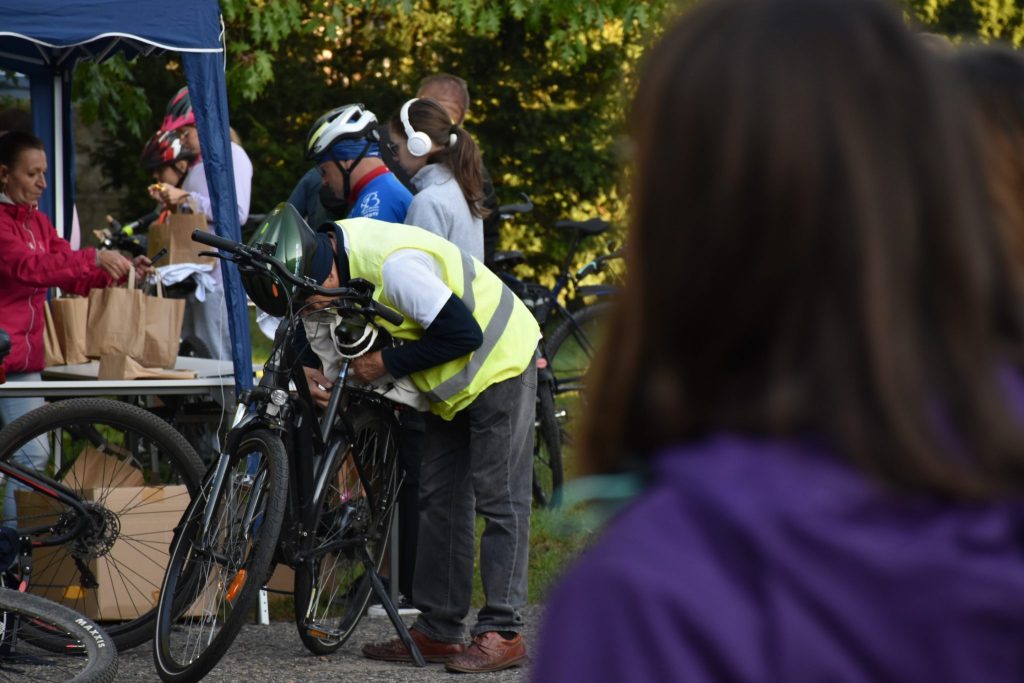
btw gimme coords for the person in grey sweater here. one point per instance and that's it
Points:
(444, 163)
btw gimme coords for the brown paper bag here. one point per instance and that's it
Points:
(176, 235)
(52, 354)
(117, 320)
(163, 330)
(70, 321)
(120, 366)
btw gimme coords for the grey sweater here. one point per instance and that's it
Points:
(439, 207)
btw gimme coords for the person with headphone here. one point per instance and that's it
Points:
(445, 166)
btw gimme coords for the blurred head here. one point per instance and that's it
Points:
(450, 92)
(810, 253)
(994, 78)
(22, 167)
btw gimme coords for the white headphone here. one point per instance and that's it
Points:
(417, 143)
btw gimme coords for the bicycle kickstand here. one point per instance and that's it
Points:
(385, 600)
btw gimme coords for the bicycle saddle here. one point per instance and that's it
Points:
(507, 259)
(594, 226)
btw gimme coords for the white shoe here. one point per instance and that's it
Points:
(405, 608)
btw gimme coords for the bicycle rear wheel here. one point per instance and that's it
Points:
(569, 349)
(135, 475)
(87, 653)
(220, 558)
(354, 507)
(547, 453)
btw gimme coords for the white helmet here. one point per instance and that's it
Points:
(351, 121)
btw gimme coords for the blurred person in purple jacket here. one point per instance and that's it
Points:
(815, 364)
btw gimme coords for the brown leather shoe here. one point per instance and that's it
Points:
(395, 651)
(489, 652)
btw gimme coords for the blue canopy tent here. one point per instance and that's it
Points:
(44, 39)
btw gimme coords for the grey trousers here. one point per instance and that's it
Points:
(478, 463)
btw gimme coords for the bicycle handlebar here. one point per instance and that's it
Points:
(247, 253)
(508, 210)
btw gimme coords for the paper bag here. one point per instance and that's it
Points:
(52, 354)
(120, 366)
(70, 321)
(117, 320)
(175, 234)
(163, 330)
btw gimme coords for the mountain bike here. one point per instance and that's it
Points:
(29, 625)
(571, 333)
(93, 512)
(316, 495)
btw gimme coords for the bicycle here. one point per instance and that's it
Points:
(318, 497)
(570, 340)
(82, 538)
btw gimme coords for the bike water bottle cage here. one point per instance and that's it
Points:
(416, 142)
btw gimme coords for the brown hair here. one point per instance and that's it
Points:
(449, 87)
(462, 158)
(811, 254)
(13, 143)
(994, 77)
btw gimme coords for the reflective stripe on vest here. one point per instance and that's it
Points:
(464, 377)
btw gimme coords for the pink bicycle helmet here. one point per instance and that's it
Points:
(179, 111)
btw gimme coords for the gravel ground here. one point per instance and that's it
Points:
(275, 654)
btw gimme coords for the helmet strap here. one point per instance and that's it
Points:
(347, 174)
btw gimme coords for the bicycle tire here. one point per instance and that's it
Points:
(332, 589)
(88, 656)
(548, 472)
(216, 571)
(126, 553)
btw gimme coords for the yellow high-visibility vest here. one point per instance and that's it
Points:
(509, 329)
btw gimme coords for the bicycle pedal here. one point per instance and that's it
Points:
(322, 632)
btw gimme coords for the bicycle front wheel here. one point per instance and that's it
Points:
(354, 507)
(221, 557)
(87, 653)
(135, 476)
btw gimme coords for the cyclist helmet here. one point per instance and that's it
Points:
(294, 243)
(349, 122)
(179, 111)
(163, 149)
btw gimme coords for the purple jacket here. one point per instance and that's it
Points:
(773, 562)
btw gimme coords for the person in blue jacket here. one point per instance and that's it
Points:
(816, 368)
(350, 180)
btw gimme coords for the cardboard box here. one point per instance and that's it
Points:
(131, 568)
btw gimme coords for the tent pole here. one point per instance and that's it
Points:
(58, 155)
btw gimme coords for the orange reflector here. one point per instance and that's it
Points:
(317, 633)
(273, 290)
(74, 593)
(237, 584)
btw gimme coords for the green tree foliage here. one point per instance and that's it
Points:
(987, 20)
(550, 81)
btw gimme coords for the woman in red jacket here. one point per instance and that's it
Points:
(34, 259)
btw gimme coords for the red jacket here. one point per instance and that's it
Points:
(33, 258)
